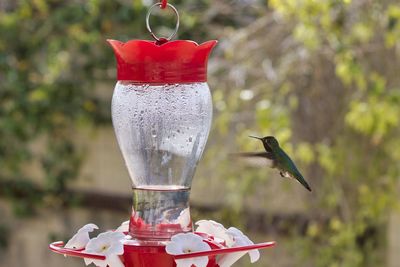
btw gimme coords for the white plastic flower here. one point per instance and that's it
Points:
(239, 240)
(109, 244)
(188, 243)
(81, 238)
(215, 229)
(184, 218)
(124, 227)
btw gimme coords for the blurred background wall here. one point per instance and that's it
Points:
(321, 76)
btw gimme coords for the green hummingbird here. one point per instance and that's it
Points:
(277, 158)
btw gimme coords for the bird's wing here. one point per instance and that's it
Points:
(267, 155)
(258, 158)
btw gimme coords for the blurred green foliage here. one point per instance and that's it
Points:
(360, 163)
(333, 91)
(322, 76)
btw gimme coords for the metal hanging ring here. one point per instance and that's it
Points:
(148, 21)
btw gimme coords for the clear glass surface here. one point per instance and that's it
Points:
(162, 131)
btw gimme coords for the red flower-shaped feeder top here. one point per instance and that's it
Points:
(179, 61)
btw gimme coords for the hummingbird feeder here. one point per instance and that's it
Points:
(161, 114)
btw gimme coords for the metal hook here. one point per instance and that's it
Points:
(148, 21)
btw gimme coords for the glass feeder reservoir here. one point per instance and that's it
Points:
(161, 113)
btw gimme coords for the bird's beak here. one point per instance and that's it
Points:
(256, 137)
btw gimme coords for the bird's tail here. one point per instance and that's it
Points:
(303, 182)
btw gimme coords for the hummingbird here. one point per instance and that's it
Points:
(277, 158)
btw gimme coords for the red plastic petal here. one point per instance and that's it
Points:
(179, 61)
